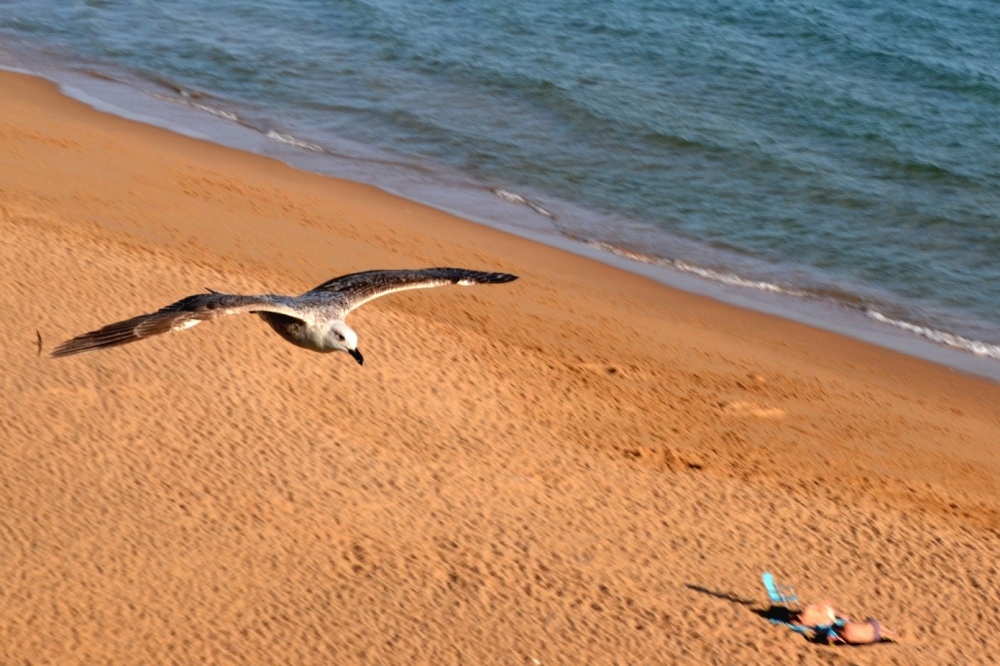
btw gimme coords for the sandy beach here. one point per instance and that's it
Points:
(580, 467)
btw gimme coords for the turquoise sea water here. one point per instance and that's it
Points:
(839, 155)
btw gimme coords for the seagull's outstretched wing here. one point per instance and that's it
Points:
(358, 288)
(185, 313)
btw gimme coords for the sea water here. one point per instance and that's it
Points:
(837, 160)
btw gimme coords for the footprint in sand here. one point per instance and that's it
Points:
(606, 369)
(741, 407)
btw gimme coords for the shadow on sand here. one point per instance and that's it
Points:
(768, 612)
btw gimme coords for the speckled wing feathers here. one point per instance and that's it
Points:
(185, 313)
(359, 288)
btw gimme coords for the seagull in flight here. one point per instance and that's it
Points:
(314, 320)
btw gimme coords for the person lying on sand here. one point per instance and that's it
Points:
(819, 621)
(829, 627)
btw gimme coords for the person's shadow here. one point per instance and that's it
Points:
(771, 612)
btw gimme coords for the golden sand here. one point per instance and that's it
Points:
(580, 467)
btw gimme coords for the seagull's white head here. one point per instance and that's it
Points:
(342, 337)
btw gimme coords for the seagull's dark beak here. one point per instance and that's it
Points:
(357, 356)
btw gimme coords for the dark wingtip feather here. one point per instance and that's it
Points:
(112, 335)
(500, 278)
(86, 343)
(458, 275)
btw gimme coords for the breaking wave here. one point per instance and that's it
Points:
(981, 349)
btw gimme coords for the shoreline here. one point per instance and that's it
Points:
(865, 324)
(581, 466)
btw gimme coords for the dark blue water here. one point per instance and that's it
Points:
(828, 151)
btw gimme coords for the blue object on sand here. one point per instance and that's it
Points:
(784, 595)
(781, 595)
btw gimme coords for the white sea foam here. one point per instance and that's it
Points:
(290, 140)
(221, 113)
(628, 254)
(514, 197)
(978, 348)
(981, 349)
(188, 100)
(706, 273)
(509, 196)
(735, 280)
